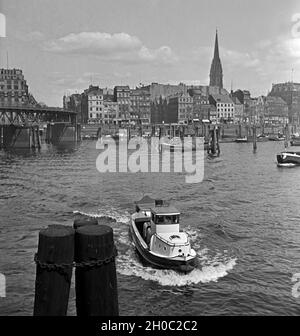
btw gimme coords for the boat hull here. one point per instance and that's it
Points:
(241, 140)
(285, 159)
(295, 143)
(184, 266)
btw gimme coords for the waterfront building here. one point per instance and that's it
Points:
(140, 105)
(122, 97)
(180, 109)
(216, 70)
(290, 93)
(73, 102)
(14, 89)
(272, 111)
(92, 104)
(202, 109)
(110, 114)
(239, 110)
(249, 103)
(224, 106)
(164, 91)
(158, 110)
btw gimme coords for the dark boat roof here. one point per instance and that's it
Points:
(145, 203)
(146, 200)
(165, 210)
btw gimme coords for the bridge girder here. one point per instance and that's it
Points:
(29, 116)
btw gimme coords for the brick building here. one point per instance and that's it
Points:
(122, 97)
(140, 105)
(290, 93)
(14, 88)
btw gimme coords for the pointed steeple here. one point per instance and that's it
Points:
(216, 53)
(216, 71)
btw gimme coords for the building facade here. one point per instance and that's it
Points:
(165, 90)
(122, 97)
(239, 112)
(224, 106)
(202, 109)
(272, 111)
(110, 114)
(73, 102)
(180, 109)
(140, 105)
(290, 93)
(94, 101)
(14, 88)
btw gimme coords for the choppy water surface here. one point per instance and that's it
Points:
(243, 220)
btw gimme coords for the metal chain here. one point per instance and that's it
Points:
(84, 264)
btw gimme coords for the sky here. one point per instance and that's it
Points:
(63, 46)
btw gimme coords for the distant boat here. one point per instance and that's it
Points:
(176, 144)
(241, 140)
(276, 138)
(288, 159)
(262, 138)
(295, 141)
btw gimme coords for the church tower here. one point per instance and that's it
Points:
(216, 71)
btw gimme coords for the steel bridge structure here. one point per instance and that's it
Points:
(32, 115)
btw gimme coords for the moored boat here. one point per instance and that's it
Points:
(178, 145)
(295, 141)
(276, 138)
(262, 138)
(242, 140)
(288, 159)
(155, 232)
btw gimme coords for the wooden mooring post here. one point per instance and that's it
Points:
(254, 139)
(95, 279)
(80, 222)
(54, 262)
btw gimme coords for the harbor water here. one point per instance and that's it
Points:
(243, 221)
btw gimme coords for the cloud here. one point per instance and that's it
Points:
(119, 47)
(33, 36)
(164, 54)
(94, 43)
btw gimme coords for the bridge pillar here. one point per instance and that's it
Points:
(63, 133)
(17, 136)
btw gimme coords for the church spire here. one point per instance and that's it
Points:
(216, 71)
(216, 53)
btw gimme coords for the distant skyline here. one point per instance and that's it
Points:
(63, 46)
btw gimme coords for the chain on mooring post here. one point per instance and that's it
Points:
(62, 268)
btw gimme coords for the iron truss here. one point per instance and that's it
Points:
(26, 116)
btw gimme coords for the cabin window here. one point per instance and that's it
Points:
(160, 219)
(169, 219)
(166, 219)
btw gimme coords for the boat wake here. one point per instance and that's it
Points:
(109, 213)
(208, 271)
(212, 266)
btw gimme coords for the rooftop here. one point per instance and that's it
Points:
(222, 98)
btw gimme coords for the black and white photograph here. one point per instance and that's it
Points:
(149, 161)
